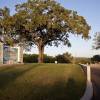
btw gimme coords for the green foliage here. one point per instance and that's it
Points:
(49, 59)
(33, 58)
(48, 23)
(6, 23)
(82, 60)
(60, 59)
(64, 58)
(44, 22)
(97, 41)
(30, 58)
(95, 58)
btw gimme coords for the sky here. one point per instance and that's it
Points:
(89, 9)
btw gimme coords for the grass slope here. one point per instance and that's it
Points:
(41, 82)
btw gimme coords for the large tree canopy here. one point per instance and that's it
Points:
(44, 22)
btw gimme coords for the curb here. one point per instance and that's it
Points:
(89, 88)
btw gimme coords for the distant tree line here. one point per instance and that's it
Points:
(61, 58)
(82, 60)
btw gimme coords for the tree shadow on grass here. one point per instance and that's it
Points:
(73, 90)
(9, 67)
(57, 90)
(61, 90)
(4, 69)
(8, 75)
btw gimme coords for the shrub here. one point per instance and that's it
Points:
(33, 58)
(95, 58)
(30, 58)
(64, 58)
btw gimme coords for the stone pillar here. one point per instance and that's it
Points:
(1, 53)
(20, 54)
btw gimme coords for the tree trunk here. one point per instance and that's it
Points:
(41, 54)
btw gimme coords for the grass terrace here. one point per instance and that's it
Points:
(42, 82)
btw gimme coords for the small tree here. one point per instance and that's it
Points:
(95, 58)
(64, 58)
(97, 41)
(45, 22)
(68, 57)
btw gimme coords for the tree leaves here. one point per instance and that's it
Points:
(97, 41)
(47, 20)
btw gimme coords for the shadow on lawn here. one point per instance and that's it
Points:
(9, 67)
(61, 90)
(9, 74)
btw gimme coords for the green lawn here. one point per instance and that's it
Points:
(42, 82)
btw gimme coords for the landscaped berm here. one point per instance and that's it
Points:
(42, 82)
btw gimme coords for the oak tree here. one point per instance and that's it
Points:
(45, 22)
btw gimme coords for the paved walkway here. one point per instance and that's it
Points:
(95, 73)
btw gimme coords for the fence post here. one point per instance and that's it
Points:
(88, 73)
(89, 88)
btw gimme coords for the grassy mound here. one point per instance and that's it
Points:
(42, 82)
